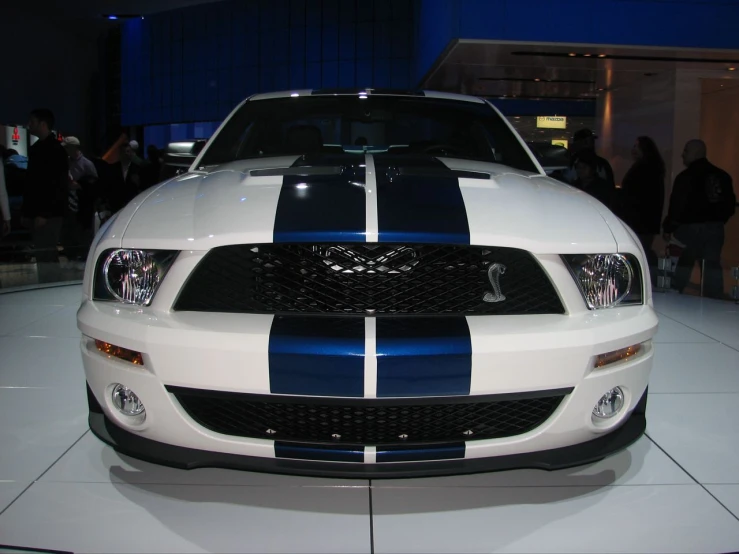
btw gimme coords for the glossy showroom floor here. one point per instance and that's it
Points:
(676, 490)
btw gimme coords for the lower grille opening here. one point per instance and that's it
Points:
(369, 421)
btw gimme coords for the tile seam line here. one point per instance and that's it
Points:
(701, 485)
(44, 473)
(697, 331)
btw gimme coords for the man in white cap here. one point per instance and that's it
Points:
(82, 175)
(137, 161)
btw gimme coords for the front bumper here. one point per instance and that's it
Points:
(133, 445)
(228, 352)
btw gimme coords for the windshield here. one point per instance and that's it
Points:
(374, 124)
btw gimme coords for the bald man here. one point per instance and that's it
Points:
(702, 202)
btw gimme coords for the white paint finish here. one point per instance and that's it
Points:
(695, 368)
(700, 433)
(166, 421)
(571, 422)
(176, 518)
(513, 353)
(36, 427)
(677, 518)
(372, 232)
(370, 454)
(15, 317)
(641, 464)
(92, 461)
(40, 362)
(539, 214)
(225, 206)
(370, 357)
(202, 350)
(728, 495)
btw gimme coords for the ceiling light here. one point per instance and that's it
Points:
(572, 54)
(601, 55)
(587, 55)
(537, 80)
(732, 68)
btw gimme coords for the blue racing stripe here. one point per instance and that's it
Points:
(423, 356)
(323, 208)
(319, 453)
(317, 356)
(441, 452)
(419, 208)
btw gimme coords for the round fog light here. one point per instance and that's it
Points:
(609, 404)
(126, 401)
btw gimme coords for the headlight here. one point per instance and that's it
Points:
(131, 276)
(607, 280)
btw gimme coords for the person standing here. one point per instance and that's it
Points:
(126, 182)
(4, 205)
(701, 203)
(78, 217)
(45, 194)
(588, 179)
(642, 196)
(583, 144)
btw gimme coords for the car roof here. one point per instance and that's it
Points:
(368, 92)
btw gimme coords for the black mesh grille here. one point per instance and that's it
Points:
(366, 278)
(365, 422)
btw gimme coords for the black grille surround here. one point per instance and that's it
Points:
(361, 422)
(366, 279)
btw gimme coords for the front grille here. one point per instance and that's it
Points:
(368, 278)
(367, 422)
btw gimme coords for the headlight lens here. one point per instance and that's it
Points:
(131, 276)
(607, 280)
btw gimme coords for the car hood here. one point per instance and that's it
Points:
(356, 198)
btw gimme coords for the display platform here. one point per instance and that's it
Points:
(674, 490)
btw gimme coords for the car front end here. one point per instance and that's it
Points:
(366, 311)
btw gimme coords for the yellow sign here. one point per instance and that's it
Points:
(560, 142)
(551, 122)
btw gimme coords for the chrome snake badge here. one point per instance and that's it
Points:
(494, 273)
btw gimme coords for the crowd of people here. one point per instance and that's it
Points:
(65, 195)
(701, 203)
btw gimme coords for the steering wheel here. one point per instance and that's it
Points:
(443, 149)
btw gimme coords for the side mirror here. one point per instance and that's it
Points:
(181, 155)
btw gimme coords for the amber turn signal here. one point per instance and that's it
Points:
(124, 354)
(617, 355)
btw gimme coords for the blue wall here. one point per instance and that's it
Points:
(669, 23)
(197, 63)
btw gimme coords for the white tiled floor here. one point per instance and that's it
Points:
(673, 491)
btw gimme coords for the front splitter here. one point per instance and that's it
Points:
(130, 444)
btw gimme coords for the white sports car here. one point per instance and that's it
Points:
(366, 284)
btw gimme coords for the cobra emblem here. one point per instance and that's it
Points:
(494, 273)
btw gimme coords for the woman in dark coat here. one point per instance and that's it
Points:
(642, 196)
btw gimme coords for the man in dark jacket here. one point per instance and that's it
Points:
(126, 181)
(702, 202)
(590, 181)
(583, 144)
(45, 195)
